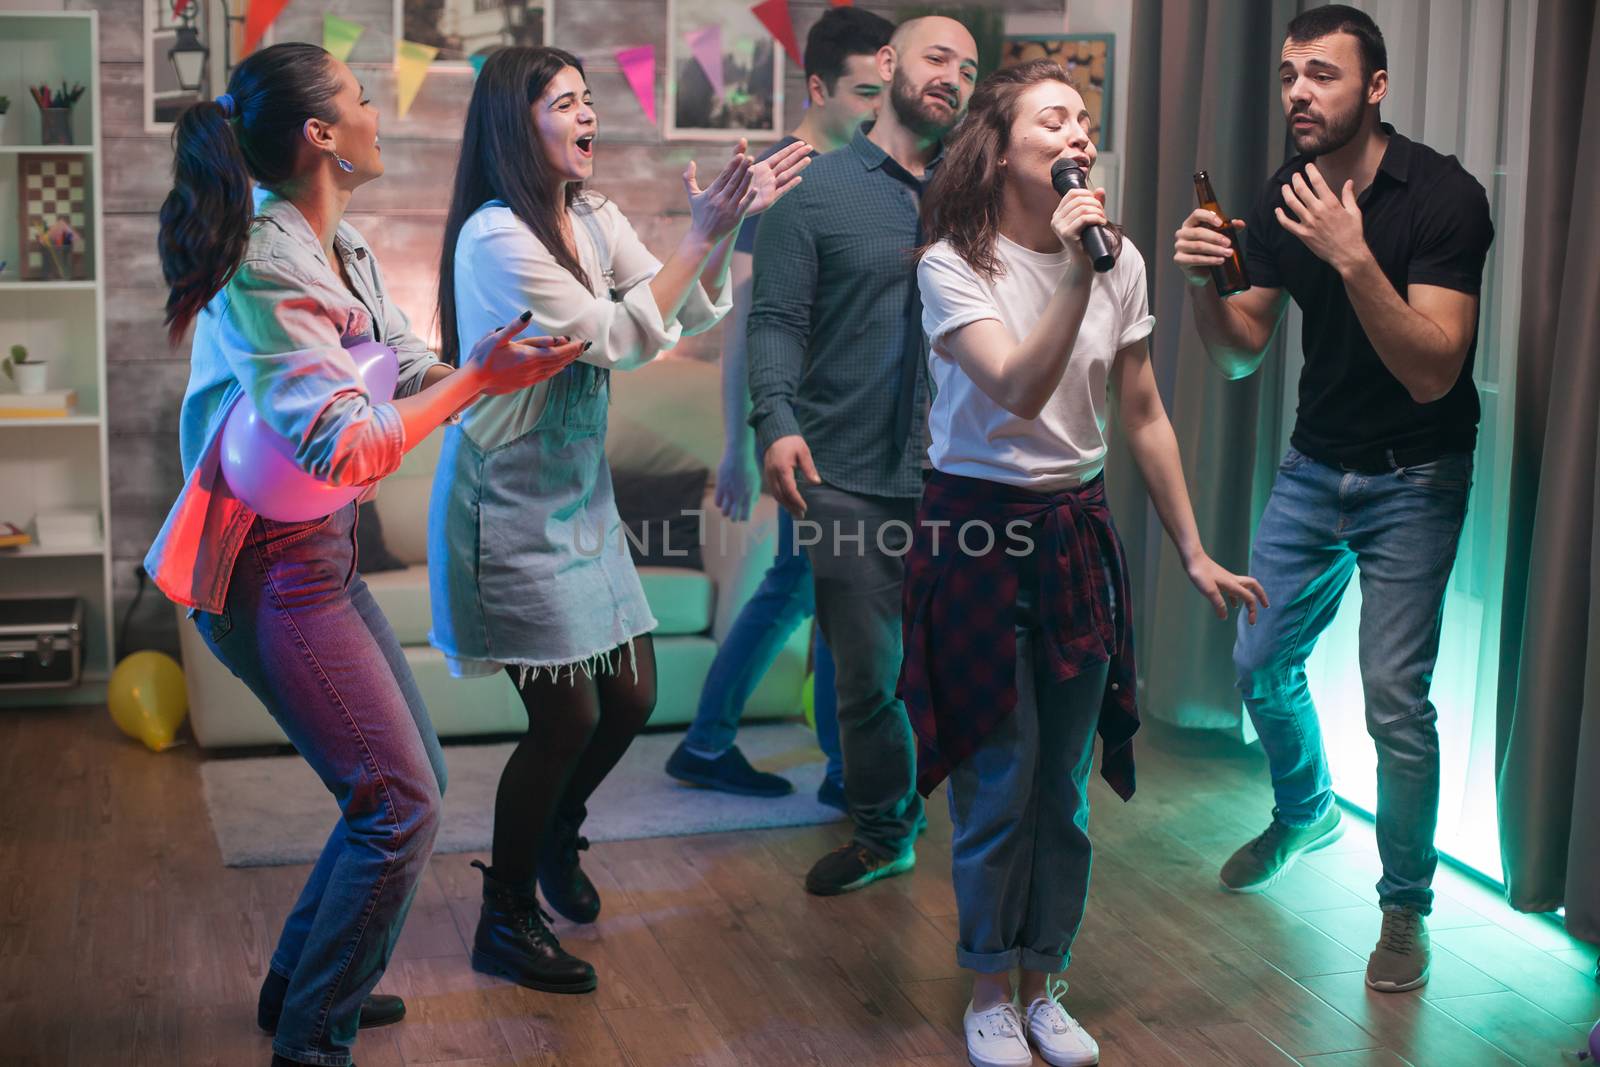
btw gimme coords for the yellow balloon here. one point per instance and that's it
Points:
(148, 699)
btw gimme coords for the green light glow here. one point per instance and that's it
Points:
(1463, 691)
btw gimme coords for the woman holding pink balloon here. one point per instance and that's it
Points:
(306, 387)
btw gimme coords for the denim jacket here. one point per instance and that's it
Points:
(278, 332)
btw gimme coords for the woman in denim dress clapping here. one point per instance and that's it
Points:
(529, 571)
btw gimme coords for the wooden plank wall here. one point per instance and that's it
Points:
(401, 214)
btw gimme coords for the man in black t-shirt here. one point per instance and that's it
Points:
(1382, 242)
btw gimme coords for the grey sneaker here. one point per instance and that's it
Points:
(1400, 962)
(1264, 860)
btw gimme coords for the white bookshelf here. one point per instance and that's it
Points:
(49, 464)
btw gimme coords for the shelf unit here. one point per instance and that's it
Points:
(53, 463)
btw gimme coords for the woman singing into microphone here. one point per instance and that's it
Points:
(1017, 627)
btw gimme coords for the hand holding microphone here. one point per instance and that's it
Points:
(1082, 218)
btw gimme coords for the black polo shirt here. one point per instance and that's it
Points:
(1427, 222)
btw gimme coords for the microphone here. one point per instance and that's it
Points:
(1065, 175)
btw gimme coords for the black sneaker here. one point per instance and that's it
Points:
(566, 888)
(728, 773)
(854, 866)
(831, 793)
(1262, 861)
(378, 1009)
(514, 941)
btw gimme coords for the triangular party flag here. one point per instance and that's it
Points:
(706, 47)
(639, 67)
(477, 62)
(411, 61)
(257, 18)
(339, 36)
(774, 15)
(844, 3)
(178, 6)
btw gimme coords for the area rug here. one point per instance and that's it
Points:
(268, 811)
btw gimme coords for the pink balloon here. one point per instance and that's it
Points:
(258, 461)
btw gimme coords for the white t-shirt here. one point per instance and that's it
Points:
(975, 437)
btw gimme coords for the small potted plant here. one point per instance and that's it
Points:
(29, 374)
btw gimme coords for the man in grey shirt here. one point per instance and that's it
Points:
(838, 388)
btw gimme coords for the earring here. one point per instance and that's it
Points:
(344, 164)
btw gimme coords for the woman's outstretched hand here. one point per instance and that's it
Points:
(1222, 587)
(744, 187)
(716, 210)
(776, 175)
(505, 364)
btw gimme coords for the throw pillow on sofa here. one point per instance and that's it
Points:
(653, 506)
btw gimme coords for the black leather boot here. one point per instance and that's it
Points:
(514, 941)
(566, 888)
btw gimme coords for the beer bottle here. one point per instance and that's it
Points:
(1230, 276)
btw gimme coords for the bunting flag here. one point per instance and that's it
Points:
(178, 7)
(411, 61)
(774, 15)
(260, 15)
(339, 36)
(844, 3)
(639, 67)
(477, 62)
(706, 47)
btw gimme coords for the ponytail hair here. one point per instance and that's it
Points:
(253, 131)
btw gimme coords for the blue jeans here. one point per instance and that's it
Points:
(1400, 529)
(1019, 815)
(784, 600)
(302, 631)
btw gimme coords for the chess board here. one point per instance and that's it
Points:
(53, 187)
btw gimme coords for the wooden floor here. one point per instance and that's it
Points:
(124, 941)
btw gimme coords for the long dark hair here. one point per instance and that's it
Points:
(218, 146)
(502, 159)
(964, 199)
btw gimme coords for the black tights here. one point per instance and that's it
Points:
(578, 728)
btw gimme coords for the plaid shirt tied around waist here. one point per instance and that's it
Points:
(958, 675)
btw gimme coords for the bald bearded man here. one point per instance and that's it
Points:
(839, 394)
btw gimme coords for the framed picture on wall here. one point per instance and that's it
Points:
(1086, 57)
(724, 73)
(462, 29)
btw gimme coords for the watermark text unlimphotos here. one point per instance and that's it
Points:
(975, 537)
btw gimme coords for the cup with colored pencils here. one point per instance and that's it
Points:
(62, 244)
(55, 110)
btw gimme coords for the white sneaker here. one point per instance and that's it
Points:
(1057, 1035)
(994, 1037)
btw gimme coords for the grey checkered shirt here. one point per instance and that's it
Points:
(833, 317)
